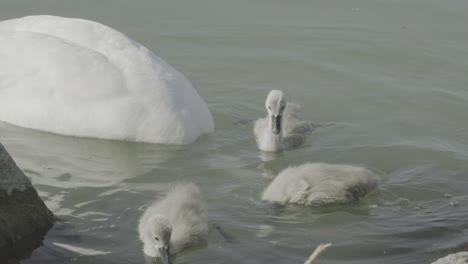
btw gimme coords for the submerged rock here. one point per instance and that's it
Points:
(24, 218)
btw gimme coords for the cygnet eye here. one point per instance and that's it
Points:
(156, 238)
(269, 107)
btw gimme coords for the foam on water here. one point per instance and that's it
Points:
(80, 250)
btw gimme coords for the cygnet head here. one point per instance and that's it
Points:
(275, 105)
(160, 233)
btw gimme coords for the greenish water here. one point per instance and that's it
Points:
(390, 75)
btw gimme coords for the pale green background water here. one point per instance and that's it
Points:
(391, 75)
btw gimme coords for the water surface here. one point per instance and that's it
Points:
(391, 76)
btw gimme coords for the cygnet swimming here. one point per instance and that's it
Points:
(283, 127)
(178, 221)
(320, 184)
(456, 258)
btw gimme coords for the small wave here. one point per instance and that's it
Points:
(80, 250)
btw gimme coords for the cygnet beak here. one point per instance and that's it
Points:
(276, 124)
(165, 255)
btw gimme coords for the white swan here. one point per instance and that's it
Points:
(80, 78)
(320, 184)
(283, 127)
(178, 221)
(456, 258)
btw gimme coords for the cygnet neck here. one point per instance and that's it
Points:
(272, 142)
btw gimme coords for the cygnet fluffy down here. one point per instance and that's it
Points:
(178, 221)
(283, 127)
(320, 184)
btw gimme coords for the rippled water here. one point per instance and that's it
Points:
(390, 76)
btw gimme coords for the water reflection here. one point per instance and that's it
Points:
(83, 162)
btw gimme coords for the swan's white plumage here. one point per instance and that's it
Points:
(185, 211)
(320, 184)
(456, 258)
(81, 78)
(295, 130)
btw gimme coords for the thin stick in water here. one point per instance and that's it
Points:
(318, 250)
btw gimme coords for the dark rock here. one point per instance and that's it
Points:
(24, 218)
